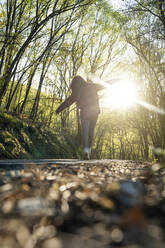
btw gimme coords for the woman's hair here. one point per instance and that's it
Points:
(77, 83)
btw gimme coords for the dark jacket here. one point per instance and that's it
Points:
(86, 99)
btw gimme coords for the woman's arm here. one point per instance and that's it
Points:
(99, 87)
(67, 103)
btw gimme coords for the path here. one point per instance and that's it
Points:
(74, 203)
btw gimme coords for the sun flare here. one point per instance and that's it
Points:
(120, 95)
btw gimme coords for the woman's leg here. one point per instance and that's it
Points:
(92, 124)
(88, 126)
(85, 132)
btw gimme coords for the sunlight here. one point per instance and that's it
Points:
(151, 107)
(120, 95)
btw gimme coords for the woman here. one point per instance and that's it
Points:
(85, 96)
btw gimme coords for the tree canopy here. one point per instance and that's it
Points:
(44, 44)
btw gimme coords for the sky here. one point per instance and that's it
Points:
(117, 4)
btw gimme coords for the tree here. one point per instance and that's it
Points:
(146, 37)
(25, 21)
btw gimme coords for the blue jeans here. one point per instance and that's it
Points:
(88, 127)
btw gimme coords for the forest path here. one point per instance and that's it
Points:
(74, 203)
(121, 167)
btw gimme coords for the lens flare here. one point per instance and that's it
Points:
(120, 95)
(150, 107)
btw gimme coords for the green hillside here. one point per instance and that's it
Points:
(23, 140)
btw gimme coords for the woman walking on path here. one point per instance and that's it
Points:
(85, 95)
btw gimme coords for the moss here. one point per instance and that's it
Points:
(20, 139)
(12, 144)
(4, 153)
(25, 139)
(7, 120)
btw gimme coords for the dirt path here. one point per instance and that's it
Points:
(72, 204)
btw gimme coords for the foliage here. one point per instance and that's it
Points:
(43, 44)
(20, 139)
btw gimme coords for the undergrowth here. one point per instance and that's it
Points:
(23, 140)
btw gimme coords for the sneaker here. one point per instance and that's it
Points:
(87, 152)
(86, 156)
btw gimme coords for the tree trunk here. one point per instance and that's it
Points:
(33, 70)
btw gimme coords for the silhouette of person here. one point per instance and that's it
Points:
(85, 95)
